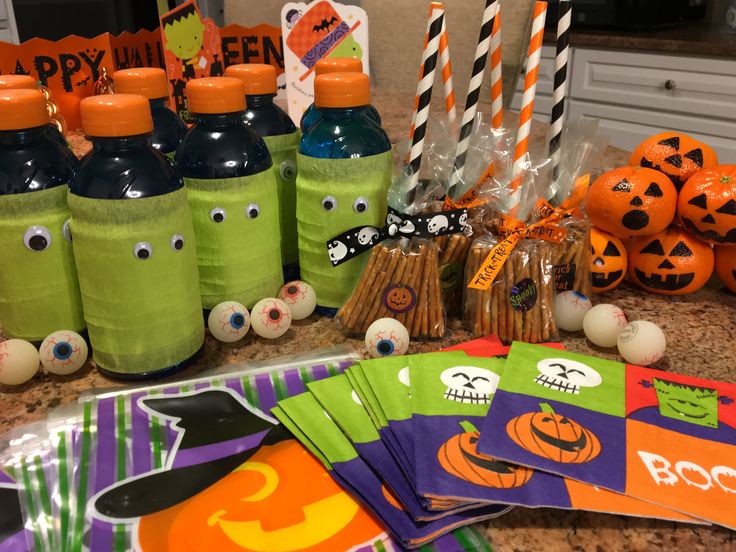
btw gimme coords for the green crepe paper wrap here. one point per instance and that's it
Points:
(283, 153)
(240, 257)
(142, 315)
(345, 180)
(39, 293)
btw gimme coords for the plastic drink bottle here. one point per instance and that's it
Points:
(334, 65)
(152, 84)
(233, 195)
(39, 293)
(134, 245)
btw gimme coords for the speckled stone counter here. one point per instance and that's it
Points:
(700, 331)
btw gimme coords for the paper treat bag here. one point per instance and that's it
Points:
(311, 32)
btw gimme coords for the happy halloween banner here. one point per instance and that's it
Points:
(69, 67)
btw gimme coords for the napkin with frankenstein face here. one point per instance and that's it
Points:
(449, 403)
(656, 436)
(303, 414)
(340, 400)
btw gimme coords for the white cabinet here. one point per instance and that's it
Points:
(637, 94)
(8, 31)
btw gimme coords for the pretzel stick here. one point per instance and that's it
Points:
(449, 252)
(411, 283)
(472, 296)
(520, 269)
(526, 325)
(426, 277)
(382, 257)
(534, 331)
(499, 290)
(397, 278)
(547, 296)
(511, 277)
(385, 279)
(346, 311)
(439, 328)
(415, 312)
(493, 309)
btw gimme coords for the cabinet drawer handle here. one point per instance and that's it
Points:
(670, 84)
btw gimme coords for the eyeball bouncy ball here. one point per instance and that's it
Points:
(270, 318)
(228, 321)
(63, 352)
(569, 309)
(300, 297)
(603, 323)
(386, 337)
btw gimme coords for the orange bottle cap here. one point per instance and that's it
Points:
(258, 78)
(338, 65)
(149, 82)
(10, 82)
(113, 115)
(215, 95)
(342, 90)
(22, 108)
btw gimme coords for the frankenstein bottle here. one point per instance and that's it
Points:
(344, 173)
(233, 196)
(134, 245)
(39, 293)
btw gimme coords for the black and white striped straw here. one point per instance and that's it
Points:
(471, 101)
(560, 87)
(424, 93)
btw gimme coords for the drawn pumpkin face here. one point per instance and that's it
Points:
(676, 154)
(707, 205)
(280, 499)
(399, 298)
(553, 436)
(458, 456)
(670, 263)
(631, 201)
(726, 265)
(608, 261)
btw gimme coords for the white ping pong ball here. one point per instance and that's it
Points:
(19, 361)
(642, 343)
(569, 310)
(603, 323)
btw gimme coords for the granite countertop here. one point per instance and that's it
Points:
(699, 38)
(699, 329)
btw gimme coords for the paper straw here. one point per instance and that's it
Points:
(424, 93)
(471, 101)
(447, 86)
(496, 74)
(560, 83)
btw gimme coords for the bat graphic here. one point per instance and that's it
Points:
(325, 25)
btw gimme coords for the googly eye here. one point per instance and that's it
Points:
(386, 337)
(143, 251)
(217, 214)
(287, 169)
(66, 230)
(360, 205)
(329, 203)
(253, 210)
(37, 238)
(177, 242)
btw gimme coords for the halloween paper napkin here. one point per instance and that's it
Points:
(349, 469)
(657, 436)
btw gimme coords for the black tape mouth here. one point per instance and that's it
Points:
(601, 280)
(672, 282)
(710, 235)
(635, 219)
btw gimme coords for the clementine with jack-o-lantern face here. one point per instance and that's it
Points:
(670, 263)
(707, 205)
(726, 265)
(608, 261)
(280, 500)
(675, 154)
(631, 201)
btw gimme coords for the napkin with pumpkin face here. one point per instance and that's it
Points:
(660, 437)
(305, 414)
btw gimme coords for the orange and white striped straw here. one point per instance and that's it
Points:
(496, 74)
(447, 86)
(527, 101)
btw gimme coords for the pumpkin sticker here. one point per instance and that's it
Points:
(670, 263)
(458, 456)
(707, 205)
(399, 298)
(608, 260)
(726, 265)
(553, 436)
(631, 201)
(675, 154)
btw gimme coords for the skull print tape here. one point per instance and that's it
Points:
(355, 241)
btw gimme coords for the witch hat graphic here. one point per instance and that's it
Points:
(217, 432)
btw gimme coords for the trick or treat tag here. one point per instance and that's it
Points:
(664, 438)
(311, 32)
(192, 49)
